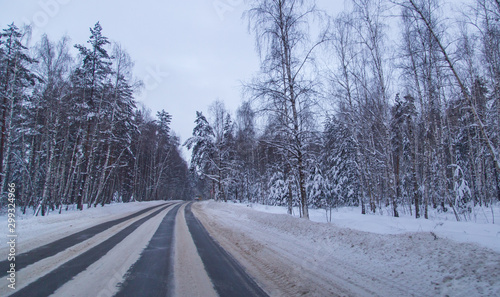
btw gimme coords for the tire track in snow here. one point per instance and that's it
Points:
(227, 275)
(152, 274)
(55, 247)
(50, 282)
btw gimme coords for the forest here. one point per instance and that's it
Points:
(388, 105)
(71, 131)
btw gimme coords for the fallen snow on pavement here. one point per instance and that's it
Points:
(295, 257)
(44, 266)
(106, 274)
(190, 276)
(36, 231)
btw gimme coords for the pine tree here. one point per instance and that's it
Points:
(203, 155)
(338, 157)
(91, 80)
(15, 76)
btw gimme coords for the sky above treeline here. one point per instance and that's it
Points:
(187, 53)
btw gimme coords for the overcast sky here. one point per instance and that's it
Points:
(188, 53)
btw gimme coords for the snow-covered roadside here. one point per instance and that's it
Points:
(444, 225)
(34, 231)
(291, 257)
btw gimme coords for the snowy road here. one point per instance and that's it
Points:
(158, 251)
(218, 249)
(53, 248)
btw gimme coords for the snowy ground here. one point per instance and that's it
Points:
(479, 229)
(375, 256)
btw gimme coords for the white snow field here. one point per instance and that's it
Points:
(357, 255)
(478, 229)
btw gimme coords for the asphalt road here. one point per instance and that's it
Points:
(227, 275)
(51, 281)
(153, 273)
(48, 250)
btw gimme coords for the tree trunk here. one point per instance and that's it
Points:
(303, 193)
(50, 165)
(397, 184)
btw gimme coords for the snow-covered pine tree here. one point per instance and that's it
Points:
(339, 163)
(91, 84)
(204, 150)
(15, 77)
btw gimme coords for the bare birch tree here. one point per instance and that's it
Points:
(281, 28)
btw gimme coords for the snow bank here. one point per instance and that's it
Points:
(294, 257)
(480, 231)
